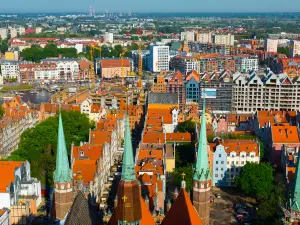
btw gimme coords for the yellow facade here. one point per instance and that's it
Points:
(162, 106)
(170, 165)
(9, 56)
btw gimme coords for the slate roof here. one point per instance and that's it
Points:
(82, 213)
(163, 98)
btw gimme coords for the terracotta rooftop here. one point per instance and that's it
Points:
(111, 63)
(285, 134)
(8, 173)
(84, 170)
(182, 212)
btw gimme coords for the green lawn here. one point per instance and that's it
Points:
(16, 88)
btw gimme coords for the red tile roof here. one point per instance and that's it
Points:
(111, 63)
(182, 212)
(7, 169)
(84, 170)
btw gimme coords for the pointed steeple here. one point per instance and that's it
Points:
(295, 201)
(202, 172)
(128, 173)
(62, 171)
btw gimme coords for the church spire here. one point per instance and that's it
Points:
(202, 172)
(62, 172)
(128, 173)
(295, 201)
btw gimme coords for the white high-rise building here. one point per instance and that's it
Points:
(188, 35)
(159, 58)
(10, 70)
(295, 48)
(224, 39)
(108, 37)
(204, 38)
(271, 45)
(13, 32)
(3, 33)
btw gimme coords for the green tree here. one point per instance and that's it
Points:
(186, 126)
(256, 179)
(3, 46)
(188, 176)
(1, 112)
(38, 145)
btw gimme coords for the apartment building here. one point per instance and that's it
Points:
(10, 70)
(246, 63)
(295, 48)
(271, 45)
(184, 64)
(187, 36)
(159, 58)
(224, 39)
(67, 69)
(114, 68)
(209, 48)
(3, 33)
(269, 92)
(46, 71)
(108, 37)
(204, 38)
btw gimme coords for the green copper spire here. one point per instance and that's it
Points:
(295, 201)
(62, 172)
(202, 172)
(128, 173)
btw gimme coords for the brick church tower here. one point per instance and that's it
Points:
(129, 209)
(202, 179)
(63, 194)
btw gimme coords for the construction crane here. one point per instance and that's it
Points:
(140, 65)
(92, 68)
(122, 64)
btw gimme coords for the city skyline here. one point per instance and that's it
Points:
(34, 6)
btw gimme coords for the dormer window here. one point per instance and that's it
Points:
(81, 153)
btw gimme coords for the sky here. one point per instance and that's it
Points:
(15, 6)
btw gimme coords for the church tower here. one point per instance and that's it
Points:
(202, 179)
(129, 209)
(63, 194)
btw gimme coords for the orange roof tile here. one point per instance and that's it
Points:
(182, 212)
(8, 173)
(100, 137)
(84, 170)
(89, 151)
(285, 134)
(111, 63)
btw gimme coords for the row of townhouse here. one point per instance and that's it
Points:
(57, 69)
(155, 156)
(91, 162)
(214, 63)
(18, 117)
(226, 92)
(227, 157)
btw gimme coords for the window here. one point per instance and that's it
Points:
(222, 162)
(217, 169)
(220, 155)
(242, 162)
(222, 169)
(232, 163)
(217, 162)
(221, 175)
(232, 169)
(216, 175)
(237, 162)
(236, 169)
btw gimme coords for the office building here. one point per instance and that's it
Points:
(159, 58)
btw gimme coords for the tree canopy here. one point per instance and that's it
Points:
(38, 145)
(1, 112)
(186, 126)
(256, 179)
(36, 53)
